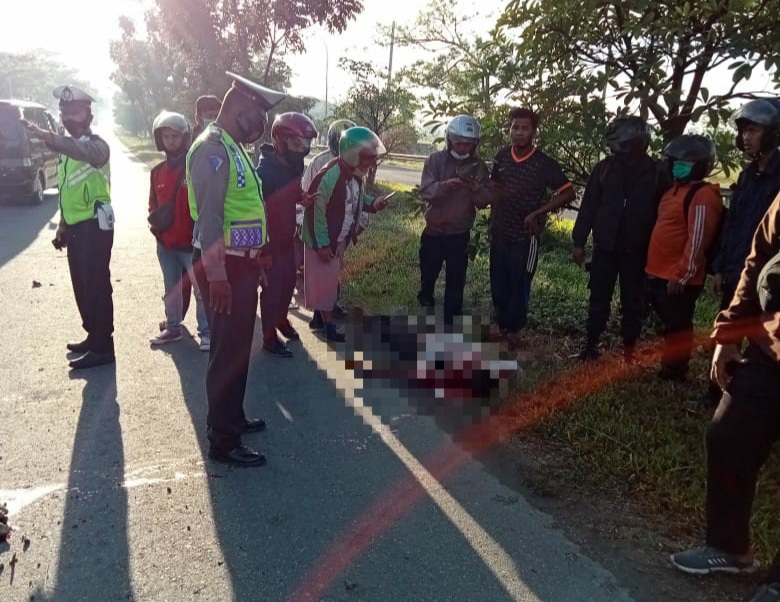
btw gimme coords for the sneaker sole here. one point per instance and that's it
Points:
(165, 342)
(730, 570)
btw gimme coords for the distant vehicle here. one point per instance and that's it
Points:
(27, 166)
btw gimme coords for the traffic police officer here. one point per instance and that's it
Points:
(86, 222)
(226, 200)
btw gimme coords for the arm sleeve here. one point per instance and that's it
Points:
(732, 324)
(703, 219)
(556, 179)
(90, 149)
(152, 193)
(431, 189)
(209, 173)
(326, 189)
(588, 208)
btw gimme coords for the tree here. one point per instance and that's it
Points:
(33, 75)
(385, 107)
(189, 46)
(653, 55)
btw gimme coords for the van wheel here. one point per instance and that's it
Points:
(37, 195)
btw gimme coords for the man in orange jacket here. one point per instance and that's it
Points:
(688, 220)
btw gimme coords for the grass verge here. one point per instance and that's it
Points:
(629, 436)
(143, 148)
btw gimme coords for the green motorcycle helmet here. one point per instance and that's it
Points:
(360, 148)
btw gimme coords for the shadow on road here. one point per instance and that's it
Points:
(93, 561)
(274, 522)
(21, 223)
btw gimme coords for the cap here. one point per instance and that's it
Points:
(266, 97)
(69, 93)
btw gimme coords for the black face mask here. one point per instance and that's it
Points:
(176, 158)
(76, 128)
(250, 126)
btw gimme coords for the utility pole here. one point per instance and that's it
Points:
(327, 65)
(390, 66)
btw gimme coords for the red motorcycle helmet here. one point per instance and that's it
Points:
(293, 124)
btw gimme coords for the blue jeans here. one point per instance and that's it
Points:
(174, 263)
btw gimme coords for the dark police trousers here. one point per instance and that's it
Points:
(89, 255)
(676, 313)
(512, 268)
(231, 348)
(739, 440)
(451, 250)
(276, 297)
(605, 269)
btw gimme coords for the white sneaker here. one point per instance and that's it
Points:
(205, 344)
(166, 336)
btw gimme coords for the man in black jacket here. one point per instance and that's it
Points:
(619, 208)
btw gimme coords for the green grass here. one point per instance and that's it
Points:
(633, 436)
(143, 148)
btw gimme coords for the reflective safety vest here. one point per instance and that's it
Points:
(81, 185)
(245, 223)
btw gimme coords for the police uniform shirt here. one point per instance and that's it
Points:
(209, 174)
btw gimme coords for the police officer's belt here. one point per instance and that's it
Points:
(248, 253)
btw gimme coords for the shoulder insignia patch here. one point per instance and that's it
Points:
(216, 162)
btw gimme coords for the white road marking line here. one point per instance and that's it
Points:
(495, 558)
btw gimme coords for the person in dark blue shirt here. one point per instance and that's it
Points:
(280, 170)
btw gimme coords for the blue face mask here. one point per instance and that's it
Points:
(681, 170)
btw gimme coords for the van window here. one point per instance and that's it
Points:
(10, 124)
(38, 117)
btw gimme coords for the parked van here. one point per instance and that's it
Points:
(27, 166)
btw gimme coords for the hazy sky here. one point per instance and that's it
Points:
(80, 31)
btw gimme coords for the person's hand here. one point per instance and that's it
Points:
(264, 261)
(578, 256)
(674, 288)
(724, 358)
(381, 203)
(532, 224)
(35, 131)
(221, 296)
(308, 199)
(60, 241)
(474, 185)
(325, 254)
(454, 183)
(716, 285)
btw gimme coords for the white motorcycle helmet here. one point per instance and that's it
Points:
(463, 128)
(175, 121)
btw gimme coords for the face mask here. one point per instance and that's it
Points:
(76, 128)
(250, 126)
(207, 122)
(681, 170)
(458, 156)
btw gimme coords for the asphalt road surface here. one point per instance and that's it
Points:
(106, 480)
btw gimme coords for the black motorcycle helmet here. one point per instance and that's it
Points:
(626, 133)
(697, 149)
(764, 112)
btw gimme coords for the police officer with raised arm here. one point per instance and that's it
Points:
(226, 200)
(86, 222)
